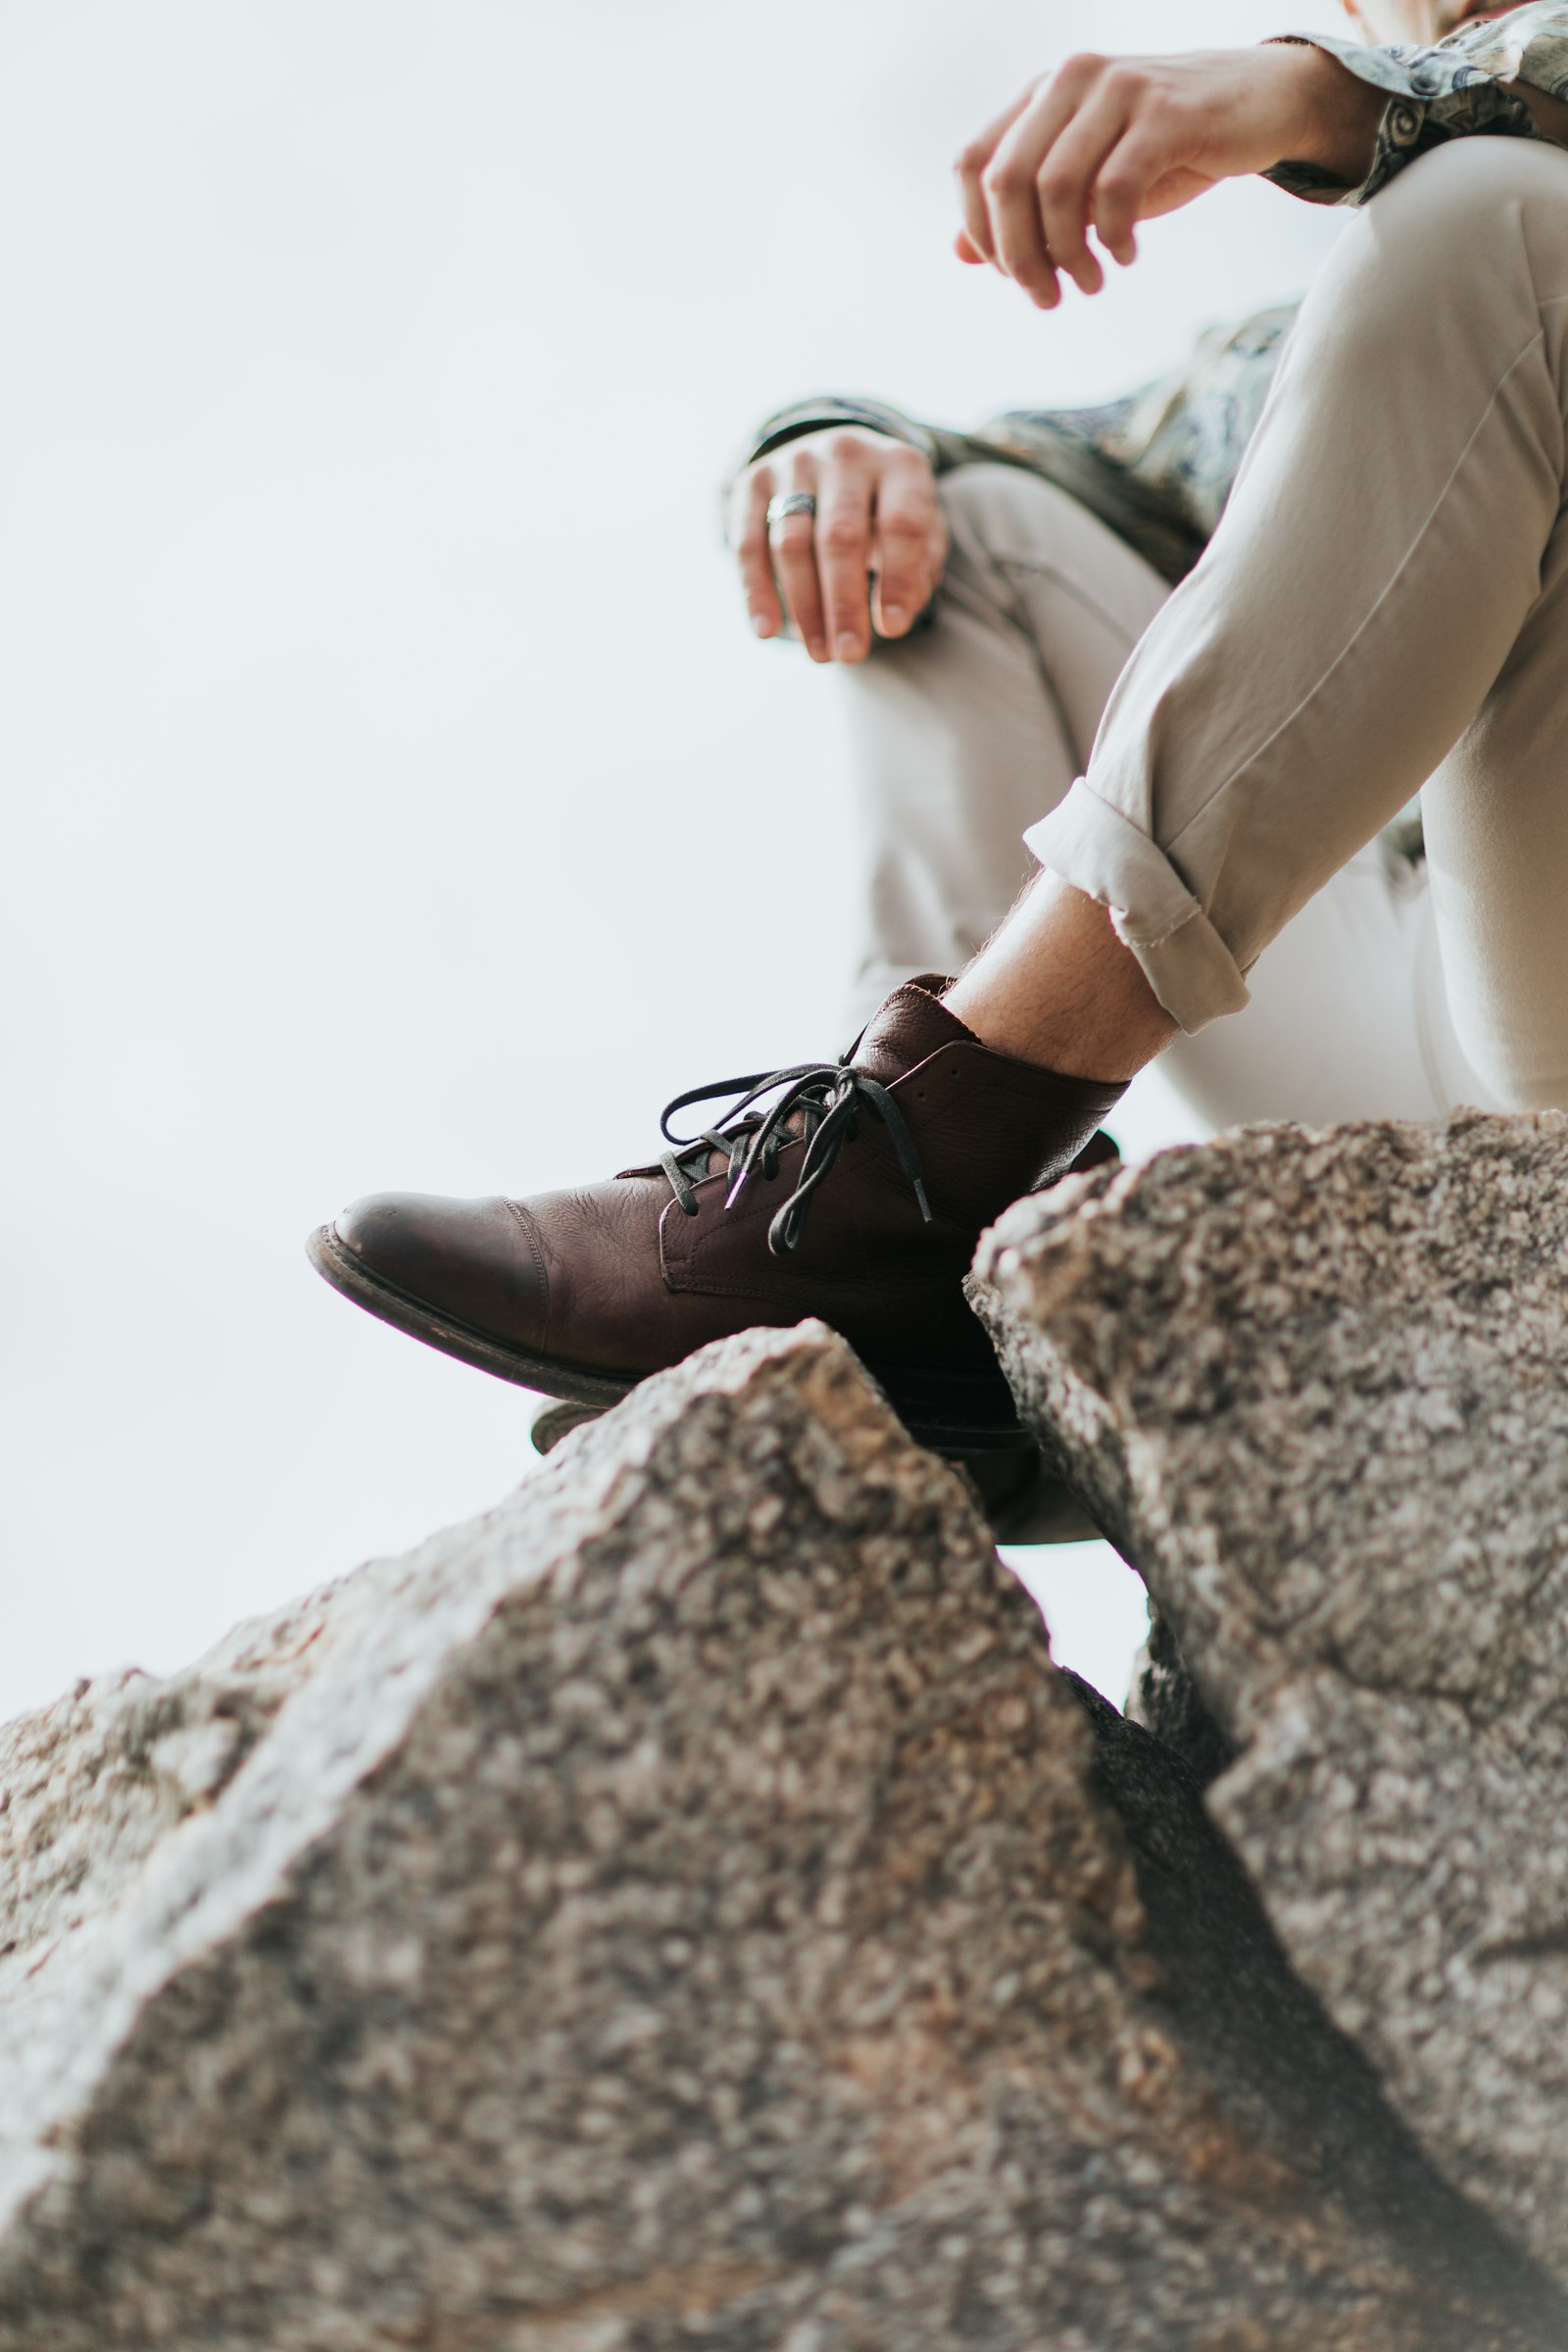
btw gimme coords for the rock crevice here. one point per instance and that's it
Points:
(1317, 1385)
(685, 1907)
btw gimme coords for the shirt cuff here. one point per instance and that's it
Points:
(1399, 133)
(1432, 95)
(819, 414)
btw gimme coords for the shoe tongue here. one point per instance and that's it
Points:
(908, 1028)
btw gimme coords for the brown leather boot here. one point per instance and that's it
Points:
(853, 1190)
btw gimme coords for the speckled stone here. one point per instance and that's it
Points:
(1317, 1385)
(684, 1909)
(1164, 1700)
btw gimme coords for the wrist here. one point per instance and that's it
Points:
(1331, 117)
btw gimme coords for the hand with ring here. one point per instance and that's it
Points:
(839, 534)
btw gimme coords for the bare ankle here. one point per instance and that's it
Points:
(1056, 987)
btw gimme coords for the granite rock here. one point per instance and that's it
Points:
(1164, 1700)
(685, 1908)
(1315, 1385)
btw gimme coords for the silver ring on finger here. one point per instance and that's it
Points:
(791, 502)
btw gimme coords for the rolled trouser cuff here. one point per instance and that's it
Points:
(1096, 849)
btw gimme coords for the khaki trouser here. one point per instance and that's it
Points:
(1383, 609)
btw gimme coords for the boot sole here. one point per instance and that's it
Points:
(952, 1412)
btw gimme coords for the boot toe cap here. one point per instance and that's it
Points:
(475, 1261)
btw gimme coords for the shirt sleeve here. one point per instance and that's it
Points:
(1089, 453)
(821, 411)
(1463, 86)
(1157, 466)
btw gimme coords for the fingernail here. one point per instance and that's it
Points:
(816, 648)
(895, 616)
(848, 649)
(761, 624)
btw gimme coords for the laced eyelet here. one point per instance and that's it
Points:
(828, 1097)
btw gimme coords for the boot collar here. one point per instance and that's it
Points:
(908, 1028)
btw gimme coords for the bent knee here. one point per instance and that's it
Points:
(1442, 286)
(1004, 520)
(1465, 203)
(1000, 510)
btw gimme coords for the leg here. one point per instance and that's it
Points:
(966, 734)
(1496, 825)
(1382, 592)
(969, 732)
(1348, 1018)
(1384, 585)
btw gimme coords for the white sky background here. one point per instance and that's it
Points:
(395, 794)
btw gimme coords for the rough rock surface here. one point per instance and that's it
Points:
(1165, 1700)
(1317, 1385)
(684, 1908)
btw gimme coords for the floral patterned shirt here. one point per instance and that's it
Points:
(1467, 83)
(1157, 465)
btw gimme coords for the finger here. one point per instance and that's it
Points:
(1064, 185)
(1012, 194)
(908, 545)
(970, 169)
(749, 540)
(1016, 233)
(792, 550)
(965, 249)
(1122, 190)
(844, 550)
(896, 620)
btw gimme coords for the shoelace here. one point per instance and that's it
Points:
(830, 1097)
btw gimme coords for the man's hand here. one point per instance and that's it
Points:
(872, 555)
(1104, 143)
